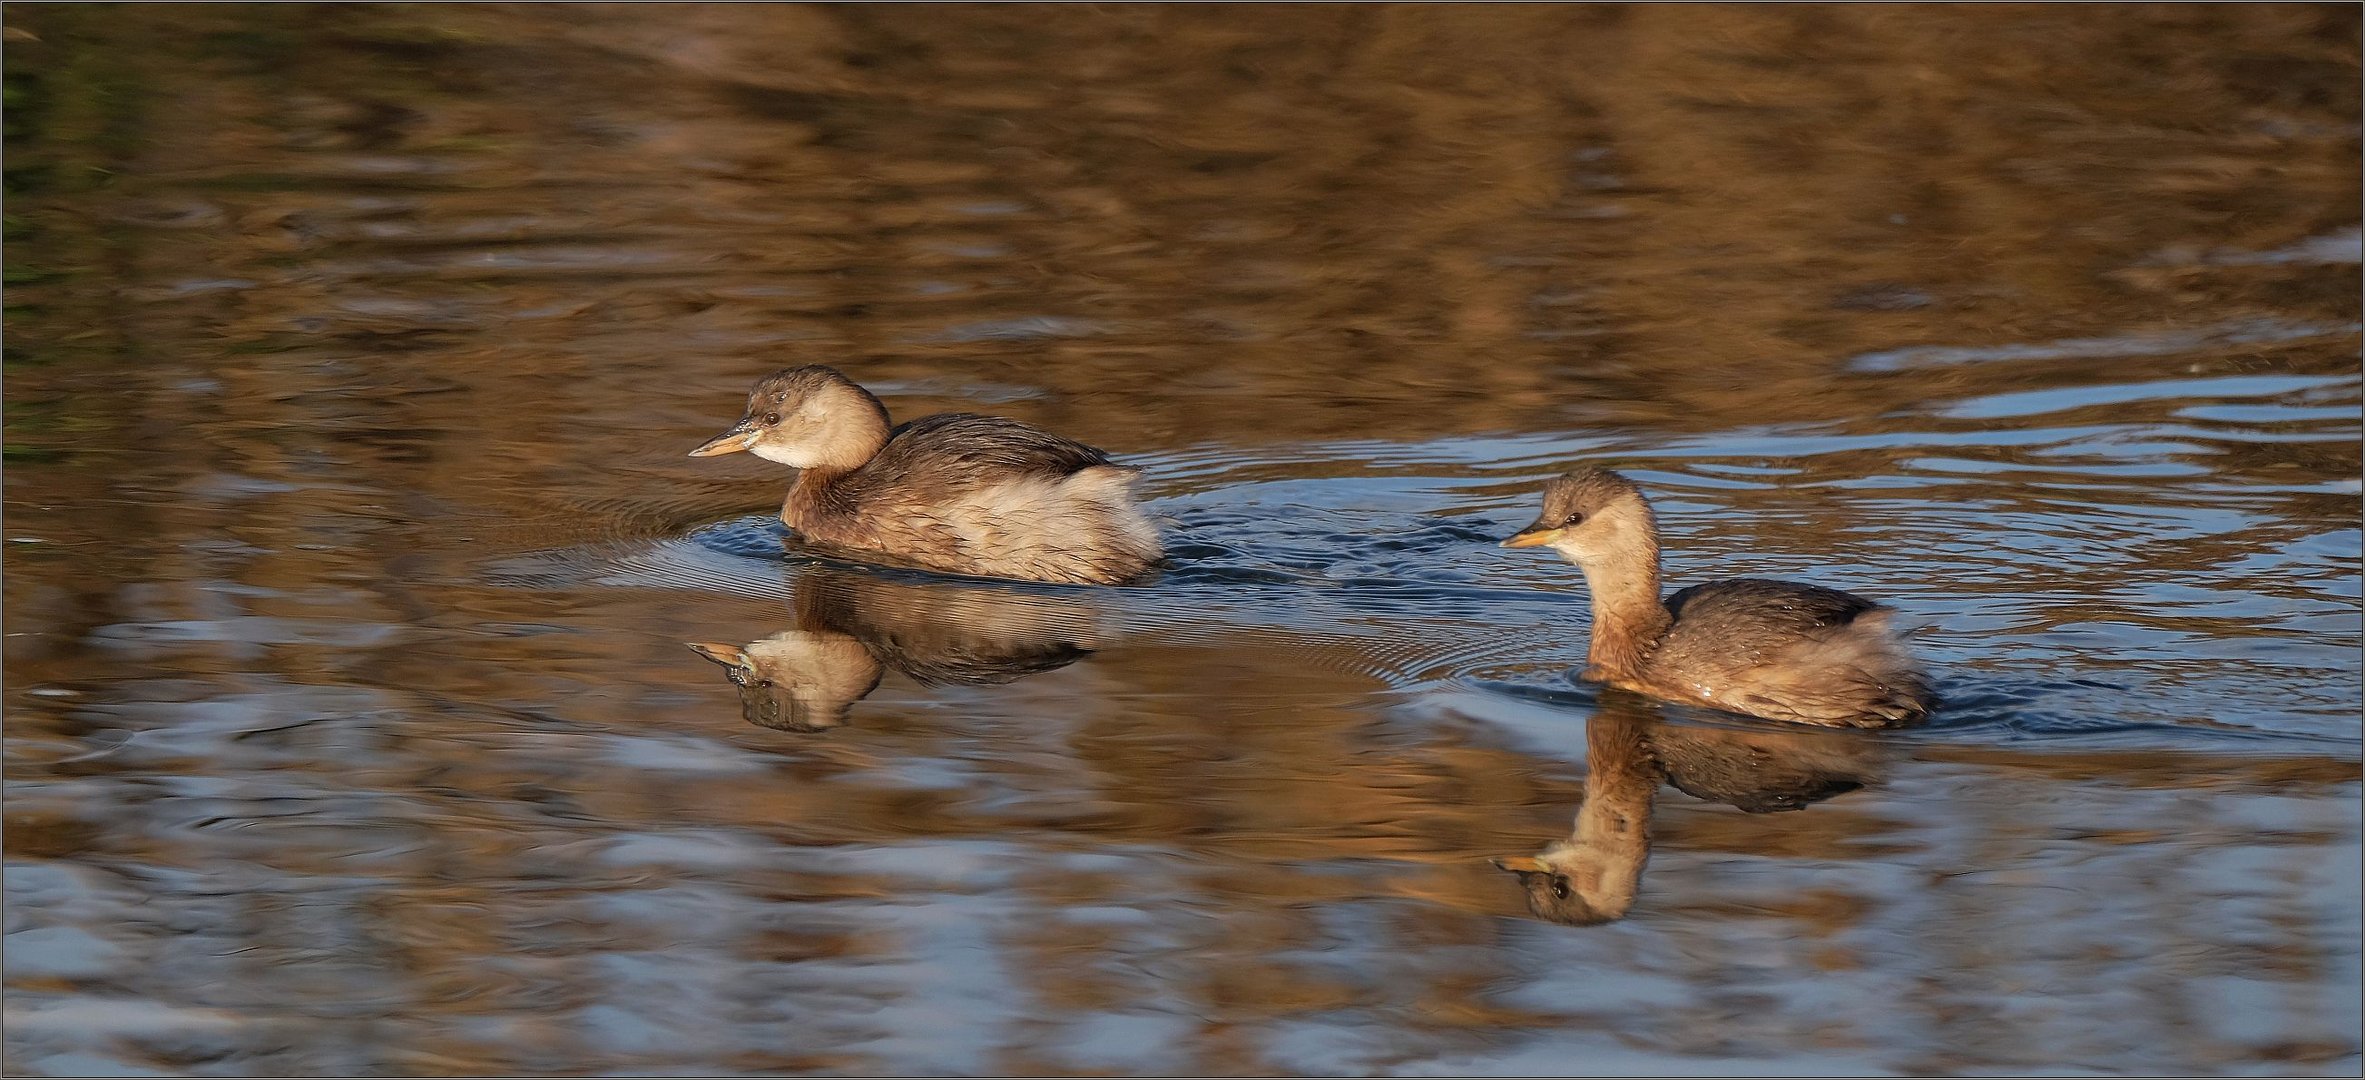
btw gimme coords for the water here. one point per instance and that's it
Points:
(352, 555)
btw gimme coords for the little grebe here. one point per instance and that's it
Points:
(1773, 649)
(956, 493)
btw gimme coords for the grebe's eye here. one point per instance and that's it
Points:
(1573, 519)
(1559, 886)
(771, 418)
(763, 682)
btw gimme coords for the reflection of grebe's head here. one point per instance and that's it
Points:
(1591, 876)
(797, 680)
(1570, 886)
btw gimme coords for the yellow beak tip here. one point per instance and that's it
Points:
(719, 653)
(727, 443)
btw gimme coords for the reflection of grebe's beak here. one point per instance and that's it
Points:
(1535, 535)
(1521, 864)
(726, 655)
(741, 436)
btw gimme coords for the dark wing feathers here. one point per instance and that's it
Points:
(966, 449)
(1774, 604)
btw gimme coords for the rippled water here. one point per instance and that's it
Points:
(351, 553)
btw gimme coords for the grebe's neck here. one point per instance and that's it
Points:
(839, 428)
(1620, 560)
(812, 499)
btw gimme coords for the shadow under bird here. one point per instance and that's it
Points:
(1774, 649)
(1593, 875)
(956, 493)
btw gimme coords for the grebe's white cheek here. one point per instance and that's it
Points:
(792, 456)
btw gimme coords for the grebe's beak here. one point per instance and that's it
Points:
(1521, 864)
(726, 655)
(1535, 535)
(741, 436)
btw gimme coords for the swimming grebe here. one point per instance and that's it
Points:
(1773, 649)
(956, 493)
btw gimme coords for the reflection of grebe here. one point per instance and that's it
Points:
(851, 627)
(1775, 649)
(956, 492)
(1591, 876)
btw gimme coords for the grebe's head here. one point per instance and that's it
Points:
(1588, 514)
(807, 417)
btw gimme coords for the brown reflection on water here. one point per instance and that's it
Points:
(1592, 876)
(851, 627)
(351, 349)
